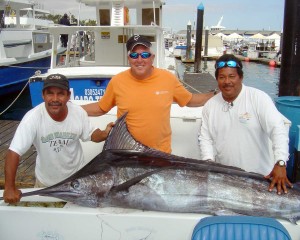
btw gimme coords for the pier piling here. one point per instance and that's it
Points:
(289, 83)
(198, 45)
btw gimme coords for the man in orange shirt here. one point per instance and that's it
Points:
(146, 93)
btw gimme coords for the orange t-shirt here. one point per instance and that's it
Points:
(148, 103)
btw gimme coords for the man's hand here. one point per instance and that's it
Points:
(108, 128)
(278, 177)
(99, 136)
(12, 195)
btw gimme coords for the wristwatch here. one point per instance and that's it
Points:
(280, 163)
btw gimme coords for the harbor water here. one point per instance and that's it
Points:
(256, 75)
(15, 105)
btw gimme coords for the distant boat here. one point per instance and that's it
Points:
(179, 51)
(25, 44)
(215, 48)
(218, 26)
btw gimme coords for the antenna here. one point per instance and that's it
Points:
(220, 21)
(154, 17)
(79, 8)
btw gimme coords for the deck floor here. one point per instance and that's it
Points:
(25, 174)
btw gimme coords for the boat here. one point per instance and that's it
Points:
(218, 27)
(212, 46)
(179, 50)
(25, 44)
(169, 40)
(215, 47)
(38, 217)
(96, 53)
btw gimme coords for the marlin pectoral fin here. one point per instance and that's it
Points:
(133, 181)
(293, 219)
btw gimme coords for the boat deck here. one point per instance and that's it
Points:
(25, 175)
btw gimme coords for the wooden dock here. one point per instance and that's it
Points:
(25, 175)
(199, 82)
(264, 61)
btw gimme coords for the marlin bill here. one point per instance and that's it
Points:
(130, 175)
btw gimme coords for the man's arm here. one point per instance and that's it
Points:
(205, 139)
(93, 109)
(273, 123)
(99, 136)
(11, 193)
(199, 99)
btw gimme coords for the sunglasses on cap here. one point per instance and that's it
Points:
(231, 64)
(135, 55)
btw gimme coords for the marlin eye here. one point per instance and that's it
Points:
(75, 184)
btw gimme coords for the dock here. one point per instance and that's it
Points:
(264, 61)
(261, 60)
(25, 175)
(199, 82)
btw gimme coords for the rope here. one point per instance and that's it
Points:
(15, 98)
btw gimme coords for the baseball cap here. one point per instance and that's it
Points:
(137, 40)
(56, 80)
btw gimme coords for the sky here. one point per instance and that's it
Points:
(237, 14)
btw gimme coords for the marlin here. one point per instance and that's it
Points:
(129, 174)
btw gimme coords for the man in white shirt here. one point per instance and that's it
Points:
(54, 127)
(238, 123)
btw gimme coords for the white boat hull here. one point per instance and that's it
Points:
(75, 222)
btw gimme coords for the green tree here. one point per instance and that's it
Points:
(54, 18)
(89, 22)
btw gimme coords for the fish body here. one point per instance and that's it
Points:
(130, 175)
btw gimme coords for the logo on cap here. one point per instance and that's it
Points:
(55, 76)
(136, 37)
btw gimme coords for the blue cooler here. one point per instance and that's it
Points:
(289, 106)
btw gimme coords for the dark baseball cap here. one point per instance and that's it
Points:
(137, 40)
(56, 80)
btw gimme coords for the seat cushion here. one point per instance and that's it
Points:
(239, 228)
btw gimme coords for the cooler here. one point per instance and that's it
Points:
(289, 106)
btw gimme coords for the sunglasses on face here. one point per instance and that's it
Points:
(135, 55)
(231, 63)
